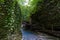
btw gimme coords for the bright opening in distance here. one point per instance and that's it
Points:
(26, 3)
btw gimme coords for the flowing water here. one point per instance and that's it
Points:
(27, 35)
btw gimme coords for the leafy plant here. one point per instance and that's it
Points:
(10, 19)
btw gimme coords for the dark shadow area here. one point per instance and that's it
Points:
(46, 19)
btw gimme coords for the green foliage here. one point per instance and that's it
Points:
(1, 1)
(46, 18)
(47, 14)
(27, 6)
(10, 18)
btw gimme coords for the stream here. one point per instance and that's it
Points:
(27, 35)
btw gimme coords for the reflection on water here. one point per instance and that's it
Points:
(26, 35)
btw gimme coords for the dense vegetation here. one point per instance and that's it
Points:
(41, 14)
(45, 17)
(10, 19)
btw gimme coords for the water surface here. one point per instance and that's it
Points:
(27, 35)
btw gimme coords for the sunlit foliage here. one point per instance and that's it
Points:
(27, 6)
